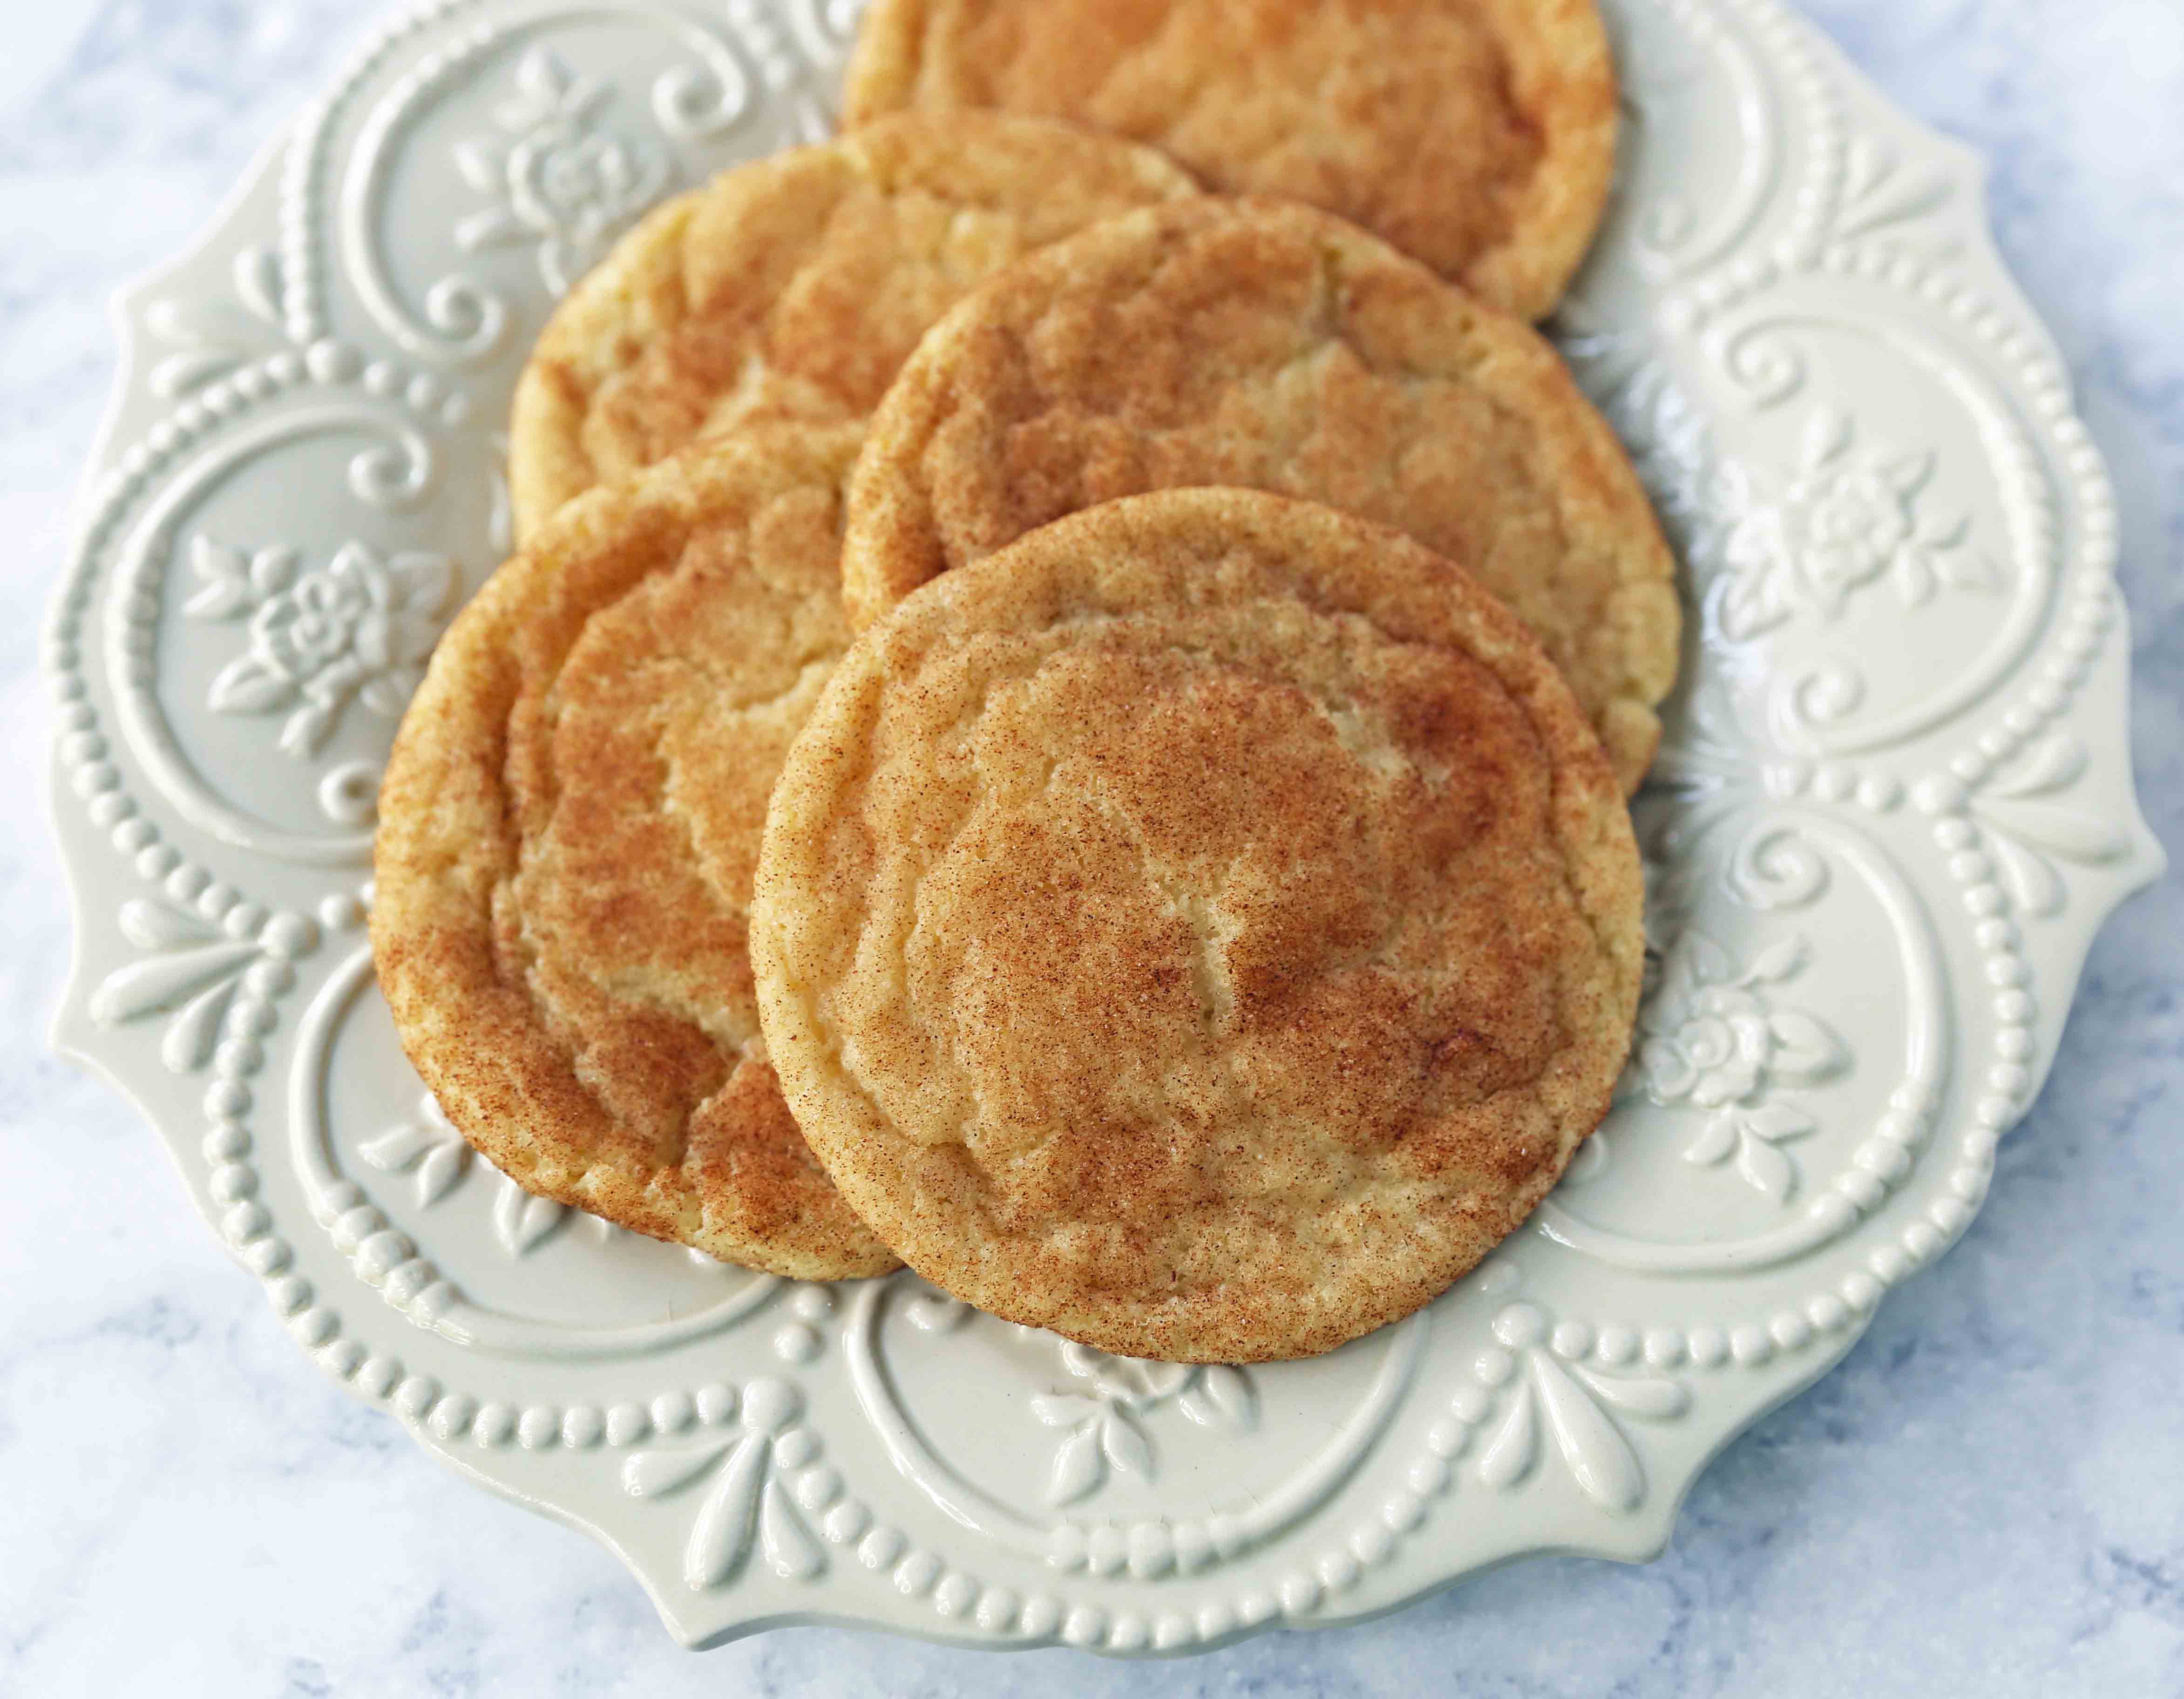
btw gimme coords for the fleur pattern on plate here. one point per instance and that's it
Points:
(192, 975)
(561, 182)
(1847, 516)
(212, 337)
(2031, 825)
(745, 1507)
(1578, 1406)
(358, 628)
(1712, 1036)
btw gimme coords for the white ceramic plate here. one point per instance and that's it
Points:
(1894, 807)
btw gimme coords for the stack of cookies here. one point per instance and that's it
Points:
(1064, 711)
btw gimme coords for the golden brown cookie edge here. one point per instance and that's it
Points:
(432, 952)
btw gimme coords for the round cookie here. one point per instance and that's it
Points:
(1477, 135)
(1265, 344)
(794, 286)
(1204, 929)
(568, 830)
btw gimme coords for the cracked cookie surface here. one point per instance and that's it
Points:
(1478, 135)
(1265, 344)
(568, 831)
(791, 287)
(1204, 929)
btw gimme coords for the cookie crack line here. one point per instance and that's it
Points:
(1199, 912)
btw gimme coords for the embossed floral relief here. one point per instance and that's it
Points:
(1104, 1411)
(428, 1148)
(359, 628)
(1846, 516)
(1715, 1037)
(1766, 546)
(563, 182)
(1104, 1415)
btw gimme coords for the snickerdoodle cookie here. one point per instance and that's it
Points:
(1477, 135)
(568, 831)
(793, 287)
(1204, 929)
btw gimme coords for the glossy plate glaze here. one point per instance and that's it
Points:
(1894, 807)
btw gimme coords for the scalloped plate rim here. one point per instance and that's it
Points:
(74, 1037)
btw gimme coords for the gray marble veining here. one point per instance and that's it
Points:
(1987, 1497)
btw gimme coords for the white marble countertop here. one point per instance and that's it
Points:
(1987, 1498)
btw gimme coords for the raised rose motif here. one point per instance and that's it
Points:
(359, 627)
(1846, 516)
(1710, 1036)
(562, 183)
(1709, 1044)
